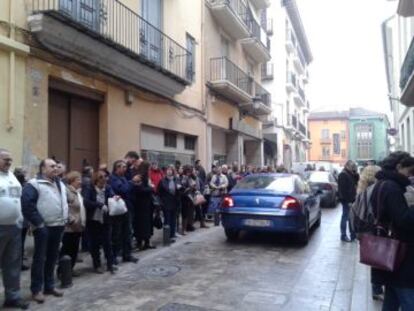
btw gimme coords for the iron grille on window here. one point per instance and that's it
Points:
(189, 142)
(364, 136)
(170, 139)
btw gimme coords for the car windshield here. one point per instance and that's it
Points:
(319, 177)
(282, 184)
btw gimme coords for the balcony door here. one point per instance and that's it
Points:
(150, 31)
(85, 12)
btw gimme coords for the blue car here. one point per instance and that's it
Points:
(271, 203)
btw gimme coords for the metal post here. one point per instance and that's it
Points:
(65, 271)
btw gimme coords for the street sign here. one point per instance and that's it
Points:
(392, 131)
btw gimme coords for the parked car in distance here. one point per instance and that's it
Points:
(271, 203)
(326, 183)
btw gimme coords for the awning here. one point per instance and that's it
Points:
(406, 8)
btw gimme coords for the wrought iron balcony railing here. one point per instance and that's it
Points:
(120, 27)
(238, 7)
(259, 33)
(262, 94)
(302, 129)
(267, 71)
(221, 68)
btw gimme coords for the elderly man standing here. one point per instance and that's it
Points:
(10, 233)
(347, 186)
(45, 206)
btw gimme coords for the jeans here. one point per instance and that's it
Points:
(46, 251)
(100, 236)
(170, 219)
(396, 298)
(10, 258)
(121, 236)
(345, 221)
(70, 245)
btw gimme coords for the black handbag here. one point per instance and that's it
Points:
(157, 221)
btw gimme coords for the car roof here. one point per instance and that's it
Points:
(272, 174)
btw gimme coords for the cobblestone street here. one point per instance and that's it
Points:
(204, 272)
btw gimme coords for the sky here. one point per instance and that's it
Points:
(346, 41)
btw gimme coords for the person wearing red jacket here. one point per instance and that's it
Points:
(155, 175)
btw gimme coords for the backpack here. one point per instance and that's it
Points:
(361, 216)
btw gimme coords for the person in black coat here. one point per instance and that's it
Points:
(95, 198)
(169, 195)
(395, 214)
(347, 187)
(142, 197)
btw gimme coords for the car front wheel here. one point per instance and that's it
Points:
(231, 234)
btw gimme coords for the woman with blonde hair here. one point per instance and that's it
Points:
(367, 177)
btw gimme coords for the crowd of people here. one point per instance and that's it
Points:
(71, 211)
(116, 212)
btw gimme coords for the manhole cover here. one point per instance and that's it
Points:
(161, 271)
(182, 307)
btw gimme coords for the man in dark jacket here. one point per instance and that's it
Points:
(393, 209)
(347, 185)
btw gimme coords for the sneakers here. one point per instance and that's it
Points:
(346, 239)
(16, 304)
(53, 292)
(39, 298)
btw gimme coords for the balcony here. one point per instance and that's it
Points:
(261, 104)
(257, 46)
(302, 129)
(406, 79)
(299, 97)
(267, 71)
(268, 26)
(108, 37)
(230, 81)
(232, 17)
(325, 141)
(290, 41)
(299, 63)
(261, 4)
(291, 82)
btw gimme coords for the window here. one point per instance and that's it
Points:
(336, 144)
(364, 135)
(170, 139)
(190, 68)
(343, 135)
(189, 142)
(325, 134)
(326, 152)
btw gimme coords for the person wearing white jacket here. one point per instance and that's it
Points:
(11, 220)
(45, 206)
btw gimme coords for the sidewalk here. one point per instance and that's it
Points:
(361, 299)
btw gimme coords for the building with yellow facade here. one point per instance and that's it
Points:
(329, 132)
(86, 81)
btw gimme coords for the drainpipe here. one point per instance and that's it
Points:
(12, 66)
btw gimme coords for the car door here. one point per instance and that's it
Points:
(310, 200)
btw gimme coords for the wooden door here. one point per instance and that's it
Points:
(59, 108)
(73, 130)
(84, 133)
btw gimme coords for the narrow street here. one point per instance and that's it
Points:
(204, 272)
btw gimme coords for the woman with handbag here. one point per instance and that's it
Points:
(98, 221)
(142, 197)
(77, 219)
(169, 195)
(397, 220)
(367, 178)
